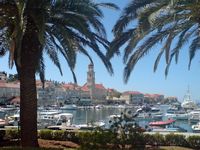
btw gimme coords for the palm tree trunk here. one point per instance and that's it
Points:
(28, 95)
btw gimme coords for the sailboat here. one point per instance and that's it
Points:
(187, 101)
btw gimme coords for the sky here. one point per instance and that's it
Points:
(142, 79)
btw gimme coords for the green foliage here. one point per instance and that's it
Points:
(46, 134)
(12, 134)
(149, 139)
(58, 135)
(194, 141)
(155, 139)
(145, 23)
(176, 140)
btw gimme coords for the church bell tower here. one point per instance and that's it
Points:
(91, 80)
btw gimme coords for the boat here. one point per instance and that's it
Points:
(177, 115)
(165, 126)
(187, 101)
(162, 123)
(153, 113)
(69, 107)
(91, 126)
(167, 129)
(63, 121)
(3, 123)
(194, 116)
(196, 128)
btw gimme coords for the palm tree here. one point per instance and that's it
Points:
(144, 23)
(30, 28)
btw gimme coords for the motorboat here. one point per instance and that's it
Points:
(3, 123)
(63, 121)
(194, 115)
(153, 113)
(166, 129)
(162, 123)
(91, 126)
(187, 101)
(178, 115)
(69, 107)
(196, 128)
(165, 126)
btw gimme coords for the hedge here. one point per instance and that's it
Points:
(108, 139)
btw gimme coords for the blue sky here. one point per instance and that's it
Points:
(142, 79)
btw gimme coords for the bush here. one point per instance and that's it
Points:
(194, 141)
(59, 135)
(154, 139)
(46, 134)
(149, 139)
(2, 134)
(175, 140)
(12, 134)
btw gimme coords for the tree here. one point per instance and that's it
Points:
(30, 28)
(144, 23)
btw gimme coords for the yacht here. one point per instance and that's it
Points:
(187, 102)
(69, 107)
(196, 128)
(194, 115)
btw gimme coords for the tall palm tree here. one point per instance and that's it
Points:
(30, 28)
(144, 23)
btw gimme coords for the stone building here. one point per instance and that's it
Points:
(3, 76)
(132, 97)
(91, 89)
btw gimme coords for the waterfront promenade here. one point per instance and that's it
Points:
(186, 134)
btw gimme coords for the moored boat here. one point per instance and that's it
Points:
(69, 107)
(187, 101)
(162, 123)
(196, 128)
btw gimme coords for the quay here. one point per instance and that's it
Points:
(186, 134)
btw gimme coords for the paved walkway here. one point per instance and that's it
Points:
(181, 133)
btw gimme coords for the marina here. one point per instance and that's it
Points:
(87, 117)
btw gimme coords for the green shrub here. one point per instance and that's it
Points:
(85, 139)
(59, 135)
(12, 134)
(2, 134)
(46, 134)
(194, 141)
(154, 139)
(175, 140)
(72, 136)
(149, 139)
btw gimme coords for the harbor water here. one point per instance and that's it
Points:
(85, 115)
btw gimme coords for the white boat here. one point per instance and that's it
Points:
(63, 121)
(69, 107)
(187, 101)
(178, 115)
(194, 115)
(167, 129)
(91, 126)
(196, 128)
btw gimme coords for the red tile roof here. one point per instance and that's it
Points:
(97, 86)
(70, 86)
(85, 88)
(100, 86)
(132, 92)
(9, 85)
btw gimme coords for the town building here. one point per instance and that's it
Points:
(91, 89)
(132, 97)
(3, 76)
